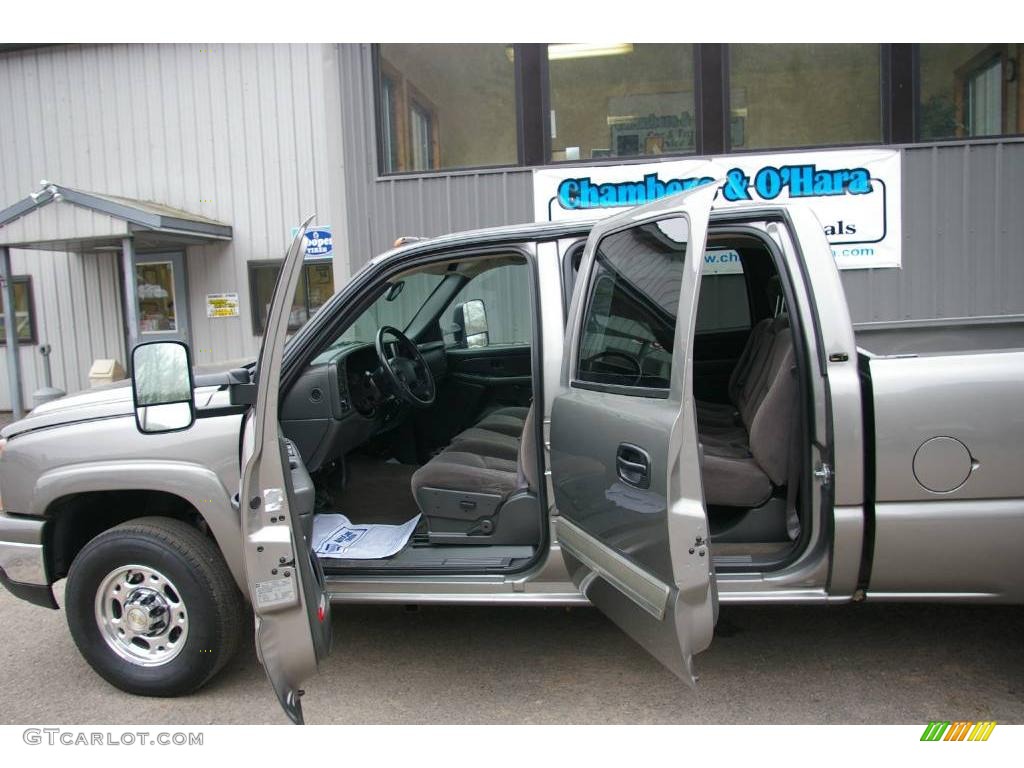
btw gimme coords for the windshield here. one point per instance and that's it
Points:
(396, 307)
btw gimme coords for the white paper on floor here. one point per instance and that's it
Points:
(335, 535)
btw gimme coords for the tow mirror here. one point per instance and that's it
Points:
(470, 324)
(162, 387)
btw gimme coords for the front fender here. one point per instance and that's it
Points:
(198, 485)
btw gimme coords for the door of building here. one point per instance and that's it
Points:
(162, 296)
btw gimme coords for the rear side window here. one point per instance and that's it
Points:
(723, 305)
(629, 323)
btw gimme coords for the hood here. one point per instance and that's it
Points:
(103, 402)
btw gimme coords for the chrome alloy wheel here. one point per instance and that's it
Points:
(141, 615)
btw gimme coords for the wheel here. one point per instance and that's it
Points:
(153, 608)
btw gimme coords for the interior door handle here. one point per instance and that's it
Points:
(633, 464)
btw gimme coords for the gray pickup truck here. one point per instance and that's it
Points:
(672, 413)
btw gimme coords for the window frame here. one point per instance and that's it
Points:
(707, 61)
(415, 101)
(659, 393)
(965, 74)
(33, 338)
(380, 67)
(884, 109)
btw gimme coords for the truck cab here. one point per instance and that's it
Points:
(597, 450)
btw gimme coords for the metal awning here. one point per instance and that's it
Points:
(59, 218)
(100, 222)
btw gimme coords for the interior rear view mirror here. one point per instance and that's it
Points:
(470, 324)
(162, 387)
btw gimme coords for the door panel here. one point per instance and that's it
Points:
(286, 585)
(481, 379)
(624, 454)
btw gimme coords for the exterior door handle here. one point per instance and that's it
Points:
(633, 464)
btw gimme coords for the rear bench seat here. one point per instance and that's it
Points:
(746, 452)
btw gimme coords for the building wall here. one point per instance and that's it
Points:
(962, 225)
(244, 134)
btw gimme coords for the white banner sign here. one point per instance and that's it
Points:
(855, 193)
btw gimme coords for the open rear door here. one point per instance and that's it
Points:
(625, 458)
(286, 584)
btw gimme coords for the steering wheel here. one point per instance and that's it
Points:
(636, 371)
(404, 366)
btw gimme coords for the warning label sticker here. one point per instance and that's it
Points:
(275, 592)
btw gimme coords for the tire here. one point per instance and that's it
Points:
(177, 579)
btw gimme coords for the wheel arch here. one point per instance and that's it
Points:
(81, 501)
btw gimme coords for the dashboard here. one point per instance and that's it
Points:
(336, 404)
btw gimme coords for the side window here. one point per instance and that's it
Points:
(24, 311)
(493, 308)
(316, 286)
(724, 304)
(629, 322)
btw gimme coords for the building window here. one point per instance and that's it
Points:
(804, 95)
(968, 90)
(316, 286)
(621, 100)
(24, 311)
(446, 106)
(154, 284)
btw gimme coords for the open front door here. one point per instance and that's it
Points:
(625, 459)
(286, 584)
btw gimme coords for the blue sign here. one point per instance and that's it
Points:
(319, 243)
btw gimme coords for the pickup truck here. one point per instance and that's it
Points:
(672, 413)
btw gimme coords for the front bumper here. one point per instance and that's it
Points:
(22, 565)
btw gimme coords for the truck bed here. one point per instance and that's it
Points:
(939, 337)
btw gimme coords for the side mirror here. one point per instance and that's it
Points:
(470, 321)
(162, 387)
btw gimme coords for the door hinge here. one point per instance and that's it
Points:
(824, 473)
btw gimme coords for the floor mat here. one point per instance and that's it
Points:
(376, 492)
(335, 536)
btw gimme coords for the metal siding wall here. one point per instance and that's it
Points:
(235, 133)
(963, 238)
(241, 134)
